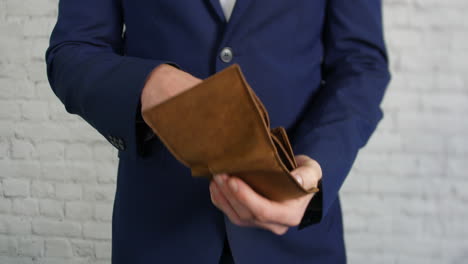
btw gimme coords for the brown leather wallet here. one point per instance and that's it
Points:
(221, 126)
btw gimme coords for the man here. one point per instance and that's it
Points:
(320, 68)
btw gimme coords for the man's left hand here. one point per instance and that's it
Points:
(245, 207)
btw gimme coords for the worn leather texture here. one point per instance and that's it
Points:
(221, 126)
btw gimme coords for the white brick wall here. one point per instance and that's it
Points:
(404, 202)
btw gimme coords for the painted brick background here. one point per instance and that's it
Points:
(406, 200)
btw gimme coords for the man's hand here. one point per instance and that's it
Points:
(164, 82)
(245, 207)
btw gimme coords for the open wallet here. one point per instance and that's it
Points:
(221, 126)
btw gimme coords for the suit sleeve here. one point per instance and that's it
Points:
(89, 73)
(344, 113)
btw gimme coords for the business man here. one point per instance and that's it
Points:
(320, 68)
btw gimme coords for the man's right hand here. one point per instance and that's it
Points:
(164, 82)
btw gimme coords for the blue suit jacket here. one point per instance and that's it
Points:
(320, 67)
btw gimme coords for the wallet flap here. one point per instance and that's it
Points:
(283, 148)
(221, 126)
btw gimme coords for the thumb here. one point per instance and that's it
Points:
(308, 172)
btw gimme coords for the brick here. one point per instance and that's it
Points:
(57, 110)
(457, 167)
(385, 141)
(50, 151)
(19, 169)
(99, 193)
(34, 110)
(4, 148)
(398, 100)
(68, 191)
(103, 250)
(7, 245)
(458, 145)
(95, 230)
(22, 149)
(25, 207)
(16, 260)
(14, 225)
(422, 143)
(60, 260)
(74, 131)
(83, 248)
(82, 172)
(445, 102)
(55, 171)
(31, 7)
(38, 27)
(106, 172)
(55, 228)
(42, 189)
(9, 110)
(5, 205)
(78, 151)
(15, 188)
(36, 69)
(103, 211)
(52, 208)
(79, 210)
(44, 92)
(38, 46)
(11, 41)
(58, 248)
(12, 88)
(435, 123)
(31, 247)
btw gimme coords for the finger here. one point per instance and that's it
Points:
(274, 228)
(308, 172)
(221, 203)
(219, 198)
(263, 209)
(224, 183)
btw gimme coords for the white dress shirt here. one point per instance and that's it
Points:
(227, 6)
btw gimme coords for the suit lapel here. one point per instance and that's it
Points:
(216, 7)
(239, 8)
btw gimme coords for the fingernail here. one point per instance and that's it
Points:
(233, 185)
(218, 179)
(298, 178)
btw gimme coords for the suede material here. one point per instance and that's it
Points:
(221, 126)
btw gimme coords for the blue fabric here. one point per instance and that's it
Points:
(320, 68)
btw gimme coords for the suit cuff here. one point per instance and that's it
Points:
(314, 211)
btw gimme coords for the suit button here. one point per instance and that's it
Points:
(226, 55)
